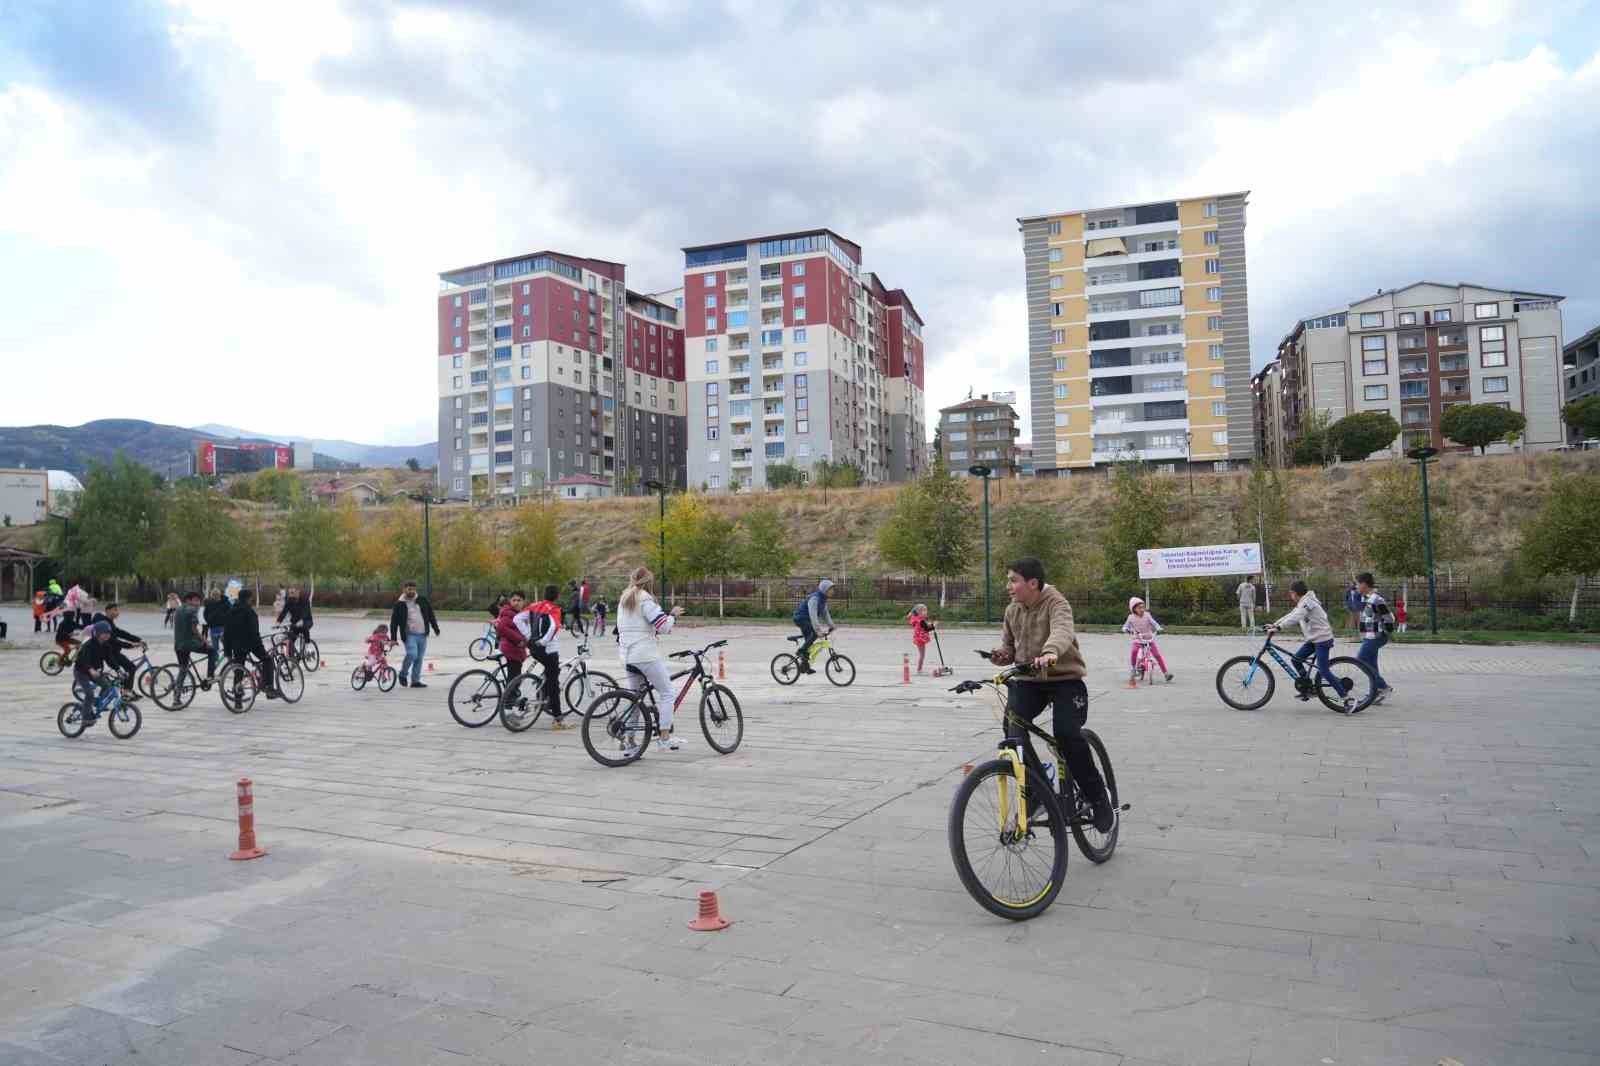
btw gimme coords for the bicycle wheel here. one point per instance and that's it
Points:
(1245, 684)
(721, 720)
(124, 720)
(358, 678)
(144, 681)
(237, 686)
(785, 668)
(840, 670)
(617, 726)
(291, 681)
(311, 656)
(1095, 845)
(1354, 677)
(386, 678)
(1011, 875)
(474, 698)
(523, 702)
(581, 689)
(157, 684)
(168, 689)
(51, 663)
(480, 649)
(69, 719)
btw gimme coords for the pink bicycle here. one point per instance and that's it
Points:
(1146, 663)
(383, 673)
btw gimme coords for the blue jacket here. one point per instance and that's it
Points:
(813, 611)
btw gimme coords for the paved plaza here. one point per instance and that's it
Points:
(1291, 886)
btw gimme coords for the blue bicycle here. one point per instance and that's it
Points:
(1246, 683)
(122, 717)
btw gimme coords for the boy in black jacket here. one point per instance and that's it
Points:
(241, 639)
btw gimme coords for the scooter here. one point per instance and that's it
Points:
(941, 670)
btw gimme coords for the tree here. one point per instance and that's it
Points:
(685, 514)
(1312, 446)
(932, 529)
(1031, 529)
(412, 465)
(938, 440)
(714, 551)
(536, 554)
(281, 487)
(1390, 532)
(1584, 416)
(465, 550)
(1479, 425)
(119, 511)
(312, 543)
(835, 475)
(198, 537)
(766, 552)
(1136, 519)
(1560, 538)
(1261, 511)
(784, 475)
(1354, 437)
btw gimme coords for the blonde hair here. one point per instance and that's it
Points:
(637, 581)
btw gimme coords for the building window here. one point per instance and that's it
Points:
(1053, 228)
(455, 382)
(1219, 381)
(799, 314)
(1055, 309)
(1061, 363)
(1219, 408)
(1214, 323)
(1496, 384)
(957, 455)
(1486, 310)
(527, 393)
(710, 279)
(797, 290)
(1492, 345)
(1372, 320)
(1211, 209)
(456, 301)
(711, 299)
(460, 402)
(802, 425)
(1442, 316)
(1211, 236)
(1219, 437)
(711, 344)
(1214, 295)
(711, 327)
(800, 336)
(1375, 392)
(797, 270)
(458, 342)
(1056, 281)
(1407, 318)
(1378, 365)
(713, 432)
(1213, 266)
(1061, 392)
(527, 373)
(1214, 351)
(800, 358)
(1055, 257)
(1061, 421)
(1058, 336)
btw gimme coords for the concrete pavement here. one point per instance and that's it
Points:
(1415, 882)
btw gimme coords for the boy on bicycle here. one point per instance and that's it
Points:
(121, 641)
(1037, 630)
(1318, 631)
(189, 635)
(297, 609)
(91, 669)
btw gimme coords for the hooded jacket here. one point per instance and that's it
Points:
(1045, 628)
(513, 645)
(1313, 619)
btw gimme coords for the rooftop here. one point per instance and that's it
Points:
(777, 237)
(1137, 203)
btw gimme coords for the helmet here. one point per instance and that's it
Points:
(1133, 601)
(102, 629)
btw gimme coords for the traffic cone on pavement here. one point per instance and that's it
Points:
(247, 823)
(711, 918)
(905, 669)
(722, 668)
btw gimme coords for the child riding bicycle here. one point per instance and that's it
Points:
(1318, 631)
(1144, 627)
(377, 643)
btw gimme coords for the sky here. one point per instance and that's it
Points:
(214, 211)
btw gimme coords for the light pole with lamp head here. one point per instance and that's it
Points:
(1422, 456)
(1188, 458)
(979, 470)
(427, 544)
(660, 489)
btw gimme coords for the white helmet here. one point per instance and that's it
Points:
(1133, 601)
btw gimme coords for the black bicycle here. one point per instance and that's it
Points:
(523, 701)
(619, 724)
(1008, 836)
(1246, 682)
(474, 697)
(297, 643)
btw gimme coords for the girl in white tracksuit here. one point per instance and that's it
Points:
(640, 622)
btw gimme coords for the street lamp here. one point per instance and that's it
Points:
(1188, 458)
(427, 545)
(1422, 456)
(660, 490)
(982, 471)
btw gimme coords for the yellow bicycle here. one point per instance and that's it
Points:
(838, 668)
(1009, 821)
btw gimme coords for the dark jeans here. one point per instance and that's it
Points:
(265, 667)
(1369, 655)
(216, 651)
(810, 634)
(1070, 700)
(551, 664)
(1321, 649)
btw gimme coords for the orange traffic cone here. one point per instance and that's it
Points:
(247, 824)
(722, 668)
(905, 669)
(430, 666)
(711, 918)
(966, 768)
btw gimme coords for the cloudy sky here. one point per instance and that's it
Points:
(236, 212)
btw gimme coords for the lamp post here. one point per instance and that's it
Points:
(1422, 456)
(427, 544)
(661, 526)
(1188, 460)
(984, 472)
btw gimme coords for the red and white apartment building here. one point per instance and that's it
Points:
(550, 367)
(795, 354)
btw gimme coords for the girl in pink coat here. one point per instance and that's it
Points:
(1144, 627)
(921, 626)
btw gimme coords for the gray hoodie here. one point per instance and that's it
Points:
(1313, 619)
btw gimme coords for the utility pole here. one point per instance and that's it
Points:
(988, 569)
(1422, 456)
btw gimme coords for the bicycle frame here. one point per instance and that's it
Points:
(1013, 808)
(1146, 656)
(1287, 662)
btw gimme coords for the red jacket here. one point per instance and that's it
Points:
(513, 645)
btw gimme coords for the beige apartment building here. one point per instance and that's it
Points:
(980, 431)
(1139, 335)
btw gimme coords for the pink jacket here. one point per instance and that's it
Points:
(1142, 625)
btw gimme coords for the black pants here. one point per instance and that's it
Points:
(264, 666)
(513, 669)
(551, 664)
(1070, 700)
(810, 633)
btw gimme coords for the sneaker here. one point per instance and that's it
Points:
(270, 693)
(1169, 677)
(418, 684)
(403, 681)
(1349, 705)
(1384, 693)
(205, 686)
(668, 743)
(1104, 816)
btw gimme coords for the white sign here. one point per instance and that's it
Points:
(1200, 560)
(1003, 397)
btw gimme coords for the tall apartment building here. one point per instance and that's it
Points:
(980, 431)
(549, 367)
(795, 354)
(1580, 362)
(1417, 350)
(1139, 334)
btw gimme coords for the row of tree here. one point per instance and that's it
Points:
(1472, 425)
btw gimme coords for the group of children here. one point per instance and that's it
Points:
(1140, 623)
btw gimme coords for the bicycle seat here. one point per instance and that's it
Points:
(796, 639)
(635, 670)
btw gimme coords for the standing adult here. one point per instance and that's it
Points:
(810, 616)
(1247, 602)
(1352, 608)
(410, 621)
(215, 615)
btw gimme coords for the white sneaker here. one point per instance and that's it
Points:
(1349, 705)
(1384, 693)
(668, 743)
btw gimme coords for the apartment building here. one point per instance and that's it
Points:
(1138, 335)
(549, 367)
(1416, 351)
(1267, 394)
(796, 354)
(980, 431)
(1580, 362)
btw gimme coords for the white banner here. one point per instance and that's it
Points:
(1200, 560)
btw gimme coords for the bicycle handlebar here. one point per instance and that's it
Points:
(687, 652)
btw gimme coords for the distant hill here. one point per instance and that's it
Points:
(164, 449)
(365, 455)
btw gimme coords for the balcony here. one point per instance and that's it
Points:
(1168, 311)
(1157, 396)
(1128, 369)
(1131, 230)
(1453, 364)
(1129, 425)
(1113, 287)
(1106, 455)
(1136, 342)
(1413, 366)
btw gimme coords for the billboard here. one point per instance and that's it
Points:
(1201, 560)
(212, 458)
